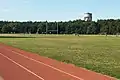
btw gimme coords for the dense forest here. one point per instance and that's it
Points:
(109, 26)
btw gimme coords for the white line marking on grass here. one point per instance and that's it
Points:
(22, 66)
(47, 65)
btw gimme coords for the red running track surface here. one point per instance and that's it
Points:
(16, 64)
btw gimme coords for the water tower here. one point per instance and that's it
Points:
(88, 16)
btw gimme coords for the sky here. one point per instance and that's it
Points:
(58, 10)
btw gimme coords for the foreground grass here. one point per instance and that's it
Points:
(97, 53)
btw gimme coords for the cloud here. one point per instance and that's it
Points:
(5, 10)
(26, 1)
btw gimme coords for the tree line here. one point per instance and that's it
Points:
(109, 26)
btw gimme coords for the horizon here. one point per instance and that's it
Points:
(51, 11)
(49, 21)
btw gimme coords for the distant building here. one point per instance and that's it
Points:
(88, 16)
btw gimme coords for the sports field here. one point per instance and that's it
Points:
(94, 52)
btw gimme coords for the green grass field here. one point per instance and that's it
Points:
(97, 53)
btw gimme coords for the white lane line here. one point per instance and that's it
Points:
(22, 66)
(47, 65)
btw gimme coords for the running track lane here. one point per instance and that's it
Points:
(46, 68)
